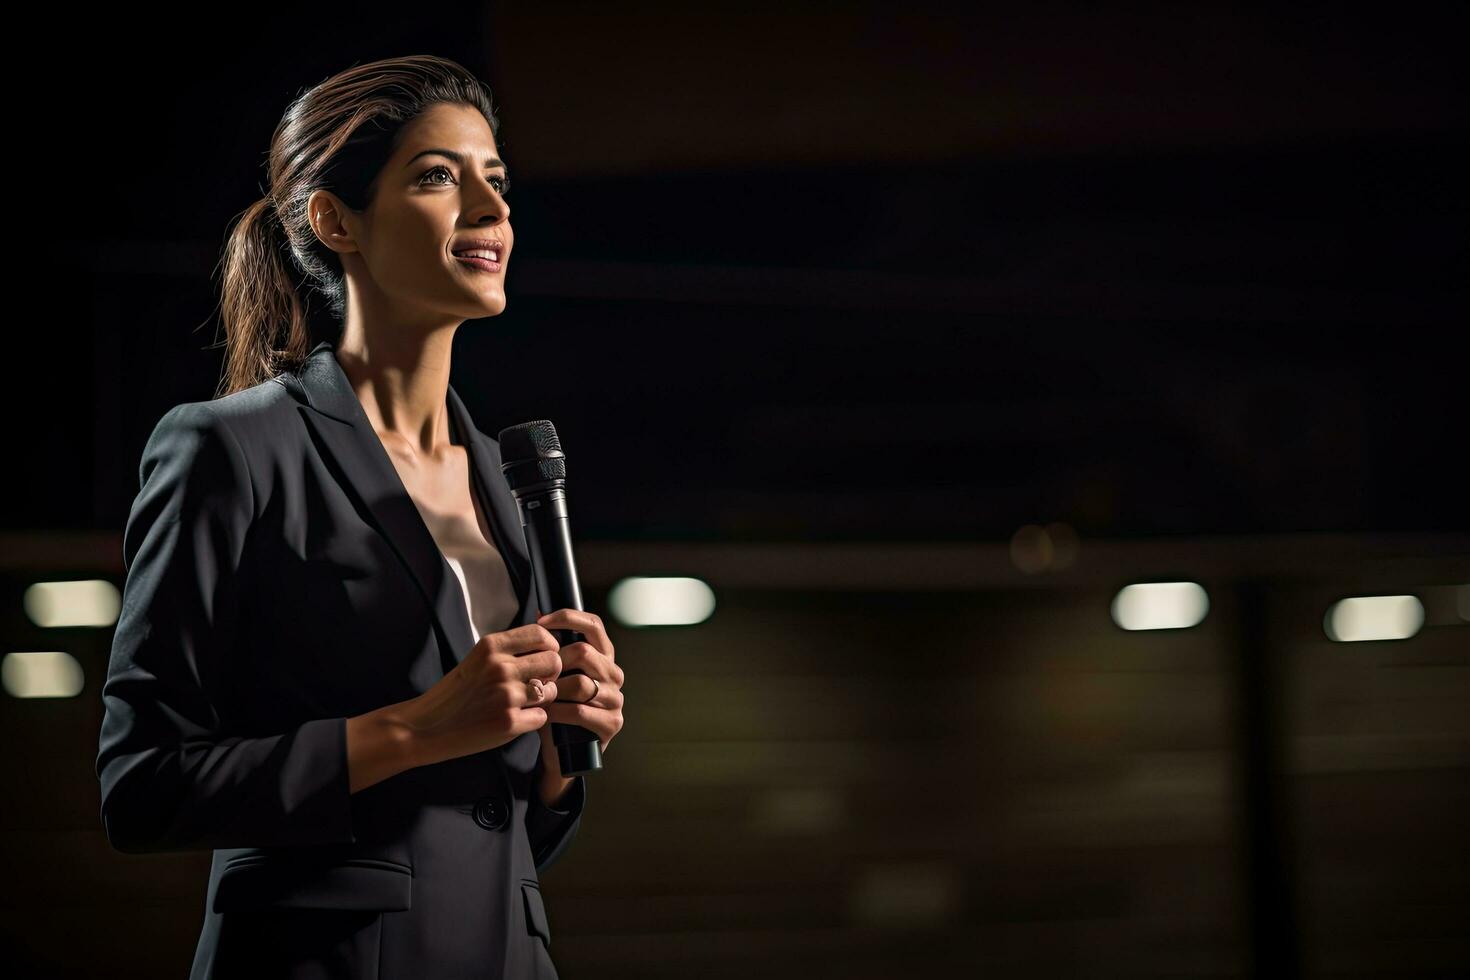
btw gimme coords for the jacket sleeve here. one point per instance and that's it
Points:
(551, 829)
(171, 778)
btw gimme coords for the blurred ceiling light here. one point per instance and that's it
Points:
(1031, 549)
(1064, 544)
(1374, 617)
(1037, 549)
(1160, 605)
(89, 602)
(46, 674)
(654, 601)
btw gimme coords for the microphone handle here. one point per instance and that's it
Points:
(549, 540)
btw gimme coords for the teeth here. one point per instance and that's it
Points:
(480, 253)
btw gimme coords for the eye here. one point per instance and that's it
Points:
(500, 182)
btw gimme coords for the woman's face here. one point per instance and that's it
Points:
(426, 207)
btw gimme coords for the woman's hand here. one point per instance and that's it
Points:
(595, 657)
(489, 699)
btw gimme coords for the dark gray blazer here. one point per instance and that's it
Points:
(280, 580)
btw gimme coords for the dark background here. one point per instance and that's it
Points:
(1199, 270)
(1189, 280)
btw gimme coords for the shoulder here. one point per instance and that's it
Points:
(258, 424)
(189, 433)
(238, 413)
(264, 407)
(215, 440)
(192, 469)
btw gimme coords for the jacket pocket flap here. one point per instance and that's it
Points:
(360, 884)
(536, 912)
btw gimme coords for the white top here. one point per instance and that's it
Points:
(489, 595)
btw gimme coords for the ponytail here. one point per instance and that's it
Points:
(265, 322)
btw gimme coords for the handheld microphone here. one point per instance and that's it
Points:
(533, 464)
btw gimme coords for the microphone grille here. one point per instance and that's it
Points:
(531, 452)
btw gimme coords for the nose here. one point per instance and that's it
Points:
(488, 207)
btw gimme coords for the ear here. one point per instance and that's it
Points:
(330, 220)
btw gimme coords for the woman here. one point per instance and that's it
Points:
(329, 666)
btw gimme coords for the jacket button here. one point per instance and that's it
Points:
(490, 813)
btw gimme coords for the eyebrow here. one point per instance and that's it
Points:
(458, 158)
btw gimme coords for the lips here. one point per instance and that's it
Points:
(484, 265)
(488, 249)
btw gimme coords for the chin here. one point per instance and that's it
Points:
(482, 302)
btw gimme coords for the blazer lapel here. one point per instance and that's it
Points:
(345, 434)
(502, 512)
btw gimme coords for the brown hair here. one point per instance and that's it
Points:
(334, 136)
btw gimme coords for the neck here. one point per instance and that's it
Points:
(402, 381)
